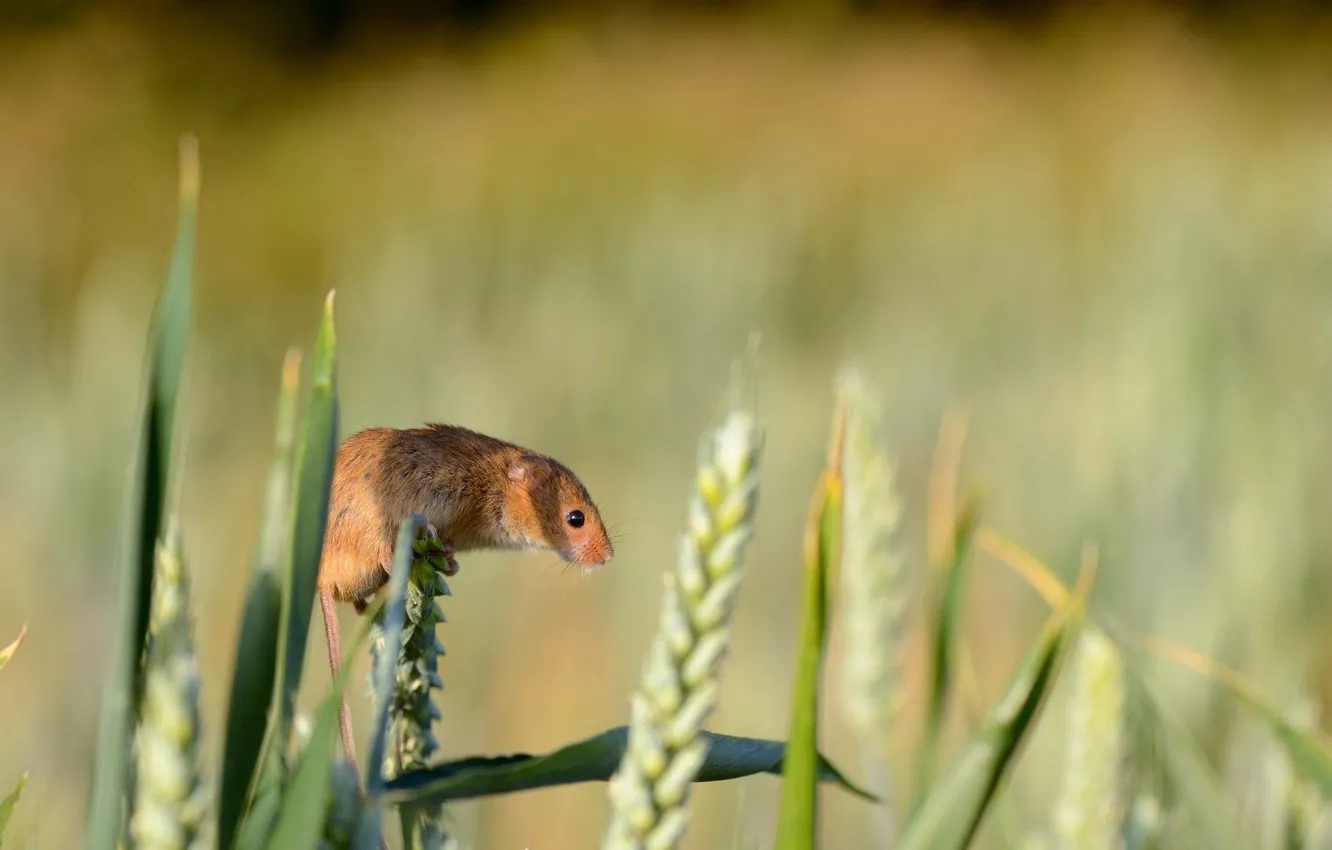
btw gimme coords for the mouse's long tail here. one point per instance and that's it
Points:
(335, 664)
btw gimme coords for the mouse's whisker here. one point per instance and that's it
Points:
(545, 567)
(564, 564)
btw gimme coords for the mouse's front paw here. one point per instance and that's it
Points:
(450, 565)
(438, 552)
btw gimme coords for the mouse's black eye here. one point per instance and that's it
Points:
(574, 518)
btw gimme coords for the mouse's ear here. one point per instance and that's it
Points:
(526, 470)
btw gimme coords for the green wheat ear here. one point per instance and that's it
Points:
(678, 691)
(874, 596)
(412, 710)
(170, 796)
(1090, 813)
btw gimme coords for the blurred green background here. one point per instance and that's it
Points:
(1108, 238)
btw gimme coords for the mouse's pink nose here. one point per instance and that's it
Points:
(594, 553)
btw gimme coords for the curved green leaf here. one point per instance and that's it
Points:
(301, 818)
(7, 805)
(1309, 750)
(316, 454)
(1179, 757)
(8, 652)
(590, 760)
(315, 458)
(147, 500)
(949, 817)
(947, 613)
(262, 812)
(300, 821)
(256, 647)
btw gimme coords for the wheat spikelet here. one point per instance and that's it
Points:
(412, 710)
(1090, 812)
(678, 692)
(874, 596)
(170, 797)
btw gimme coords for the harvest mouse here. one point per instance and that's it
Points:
(477, 492)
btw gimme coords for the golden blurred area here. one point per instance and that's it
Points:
(1111, 244)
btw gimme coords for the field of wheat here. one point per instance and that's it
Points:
(1094, 266)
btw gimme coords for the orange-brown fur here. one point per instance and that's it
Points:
(478, 492)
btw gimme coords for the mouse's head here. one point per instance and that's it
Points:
(547, 507)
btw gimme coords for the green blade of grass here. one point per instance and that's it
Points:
(591, 760)
(315, 456)
(314, 480)
(798, 817)
(300, 820)
(1309, 751)
(256, 647)
(262, 812)
(7, 805)
(1192, 778)
(8, 652)
(1184, 761)
(946, 617)
(949, 817)
(148, 499)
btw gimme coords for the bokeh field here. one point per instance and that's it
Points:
(1110, 247)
